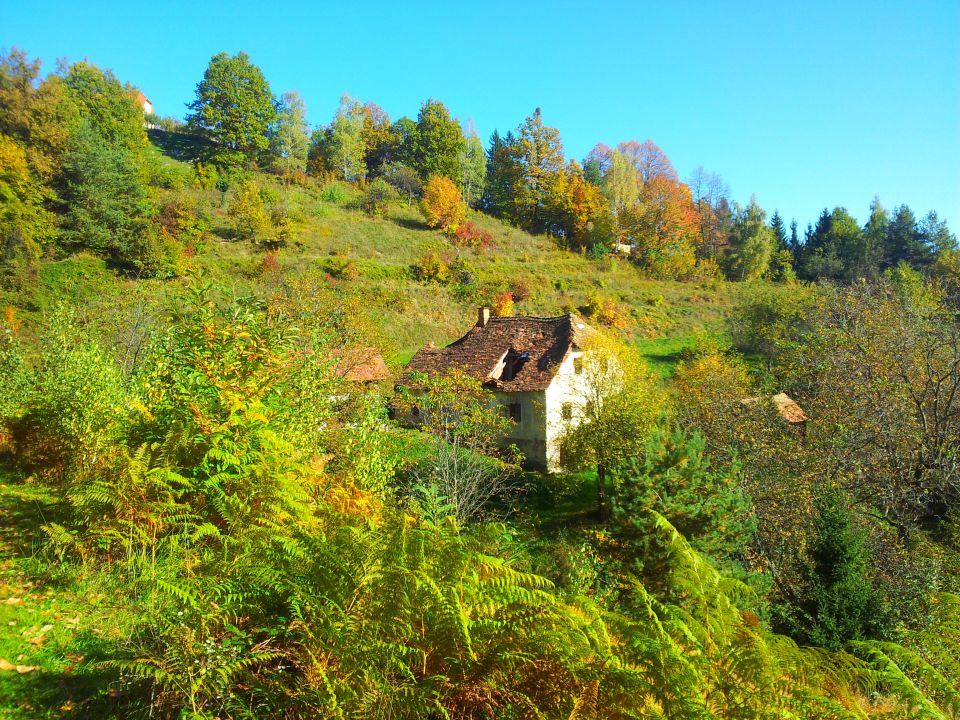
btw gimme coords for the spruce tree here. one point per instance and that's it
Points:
(839, 603)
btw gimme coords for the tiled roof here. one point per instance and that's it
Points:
(785, 406)
(361, 364)
(541, 344)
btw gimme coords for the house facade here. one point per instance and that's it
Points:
(533, 369)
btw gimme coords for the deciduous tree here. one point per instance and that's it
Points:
(234, 108)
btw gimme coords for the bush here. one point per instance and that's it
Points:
(520, 290)
(431, 268)
(502, 305)
(334, 193)
(269, 264)
(377, 197)
(442, 205)
(606, 311)
(469, 235)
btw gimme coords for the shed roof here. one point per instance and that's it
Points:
(785, 406)
(361, 364)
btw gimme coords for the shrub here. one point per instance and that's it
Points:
(431, 268)
(377, 197)
(520, 290)
(503, 304)
(269, 264)
(606, 311)
(469, 235)
(334, 193)
(442, 205)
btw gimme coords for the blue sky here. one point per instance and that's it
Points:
(806, 104)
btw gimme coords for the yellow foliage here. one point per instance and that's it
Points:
(503, 305)
(442, 205)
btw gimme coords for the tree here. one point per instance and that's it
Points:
(904, 242)
(474, 170)
(462, 476)
(620, 183)
(339, 147)
(583, 213)
(502, 176)
(539, 156)
(617, 406)
(663, 226)
(779, 231)
(441, 204)
(673, 477)
(596, 163)
(110, 108)
(752, 243)
(711, 198)
(840, 604)
(234, 108)
(379, 139)
(437, 144)
(106, 206)
(25, 223)
(290, 140)
(648, 160)
(404, 179)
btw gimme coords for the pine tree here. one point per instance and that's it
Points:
(840, 604)
(674, 478)
(502, 174)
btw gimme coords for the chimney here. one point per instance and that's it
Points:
(483, 316)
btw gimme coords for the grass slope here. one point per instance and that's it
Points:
(374, 257)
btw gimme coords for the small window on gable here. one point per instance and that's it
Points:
(513, 410)
(566, 411)
(578, 365)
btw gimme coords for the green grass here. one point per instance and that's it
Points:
(55, 621)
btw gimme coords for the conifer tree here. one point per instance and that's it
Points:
(840, 604)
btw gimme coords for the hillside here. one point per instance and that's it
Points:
(375, 257)
(205, 513)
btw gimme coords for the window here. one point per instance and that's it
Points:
(513, 410)
(578, 365)
(566, 411)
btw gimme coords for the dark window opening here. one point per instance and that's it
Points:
(513, 410)
(578, 365)
(566, 411)
(512, 363)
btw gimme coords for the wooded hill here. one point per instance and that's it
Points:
(201, 517)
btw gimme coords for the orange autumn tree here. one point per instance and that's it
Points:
(585, 215)
(661, 221)
(442, 206)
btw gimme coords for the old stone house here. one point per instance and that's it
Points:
(533, 368)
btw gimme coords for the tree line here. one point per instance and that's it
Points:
(629, 196)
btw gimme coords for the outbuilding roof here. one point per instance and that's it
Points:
(531, 347)
(786, 407)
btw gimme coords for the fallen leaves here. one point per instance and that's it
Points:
(6, 665)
